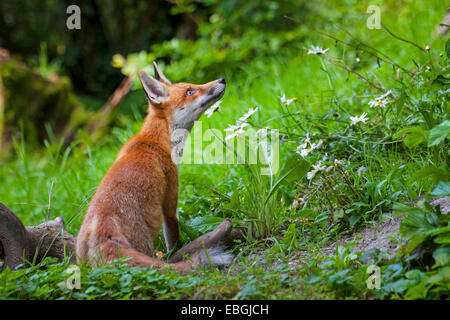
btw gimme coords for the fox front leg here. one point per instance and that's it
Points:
(171, 232)
(170, 220)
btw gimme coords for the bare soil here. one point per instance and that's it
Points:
(385, 236)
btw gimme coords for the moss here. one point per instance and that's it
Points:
(33, 102)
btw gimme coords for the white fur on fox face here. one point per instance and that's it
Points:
(184, 118)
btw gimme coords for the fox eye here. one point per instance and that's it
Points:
(190, 92)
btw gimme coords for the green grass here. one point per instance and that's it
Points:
(338, 201)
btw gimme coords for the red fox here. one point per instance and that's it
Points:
(139, 192)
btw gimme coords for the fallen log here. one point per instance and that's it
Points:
(13, 239)
(50, 239)
(19, 243)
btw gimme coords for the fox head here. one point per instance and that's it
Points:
(180, 103)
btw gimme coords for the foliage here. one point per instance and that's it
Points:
(228, 33)
(428, 232)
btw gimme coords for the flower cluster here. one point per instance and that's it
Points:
(320, 166)
(304, 149)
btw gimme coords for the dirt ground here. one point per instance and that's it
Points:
(385, 236)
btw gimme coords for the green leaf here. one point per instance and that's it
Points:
(313, 279)
(441, 80)
(414, 136)
(439, 133)
(443, 238)
(400, 208)
(400, 285)
(338, 214)
(435, 173)
(413, 140)
(415, 275)
(234, 200)
(441, 256)
(290, 236)
(416, 224)
(205, 223)
(294, 169)
(125, 280)
(415, 241)
(440, 231)
(441, 190)
(354, 218)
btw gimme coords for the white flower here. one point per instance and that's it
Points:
(287, 101)
(263, 131)
(317, 50)
(317, 145)
(319, 166)
(362, 118)
(335, 163)
(378, 103)
(427, 48)
(238, 128)
(234, 134)
(316, 168)
(320, 144)
(303, 151)
(295, 203)
(249, 113)
(214, 107)
(310, 175)
(303, 145)
(358, 59)
(308, 139)
(384, 95)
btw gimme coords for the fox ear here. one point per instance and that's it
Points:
(155, 91)
(159, 75)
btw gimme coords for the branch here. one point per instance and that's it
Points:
(412, 43)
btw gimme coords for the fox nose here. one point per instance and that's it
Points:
(222, 80)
